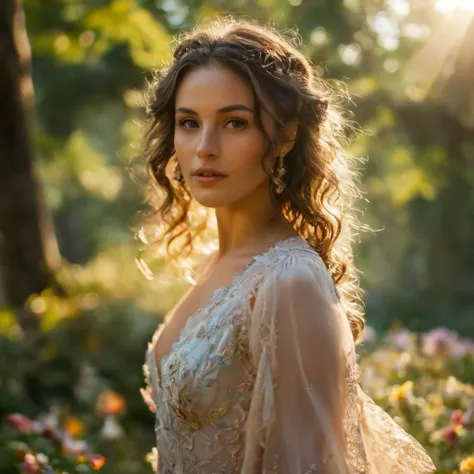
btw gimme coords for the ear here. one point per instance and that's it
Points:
(287, 138)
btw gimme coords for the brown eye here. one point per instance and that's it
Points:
(237, 123)
(188, 123)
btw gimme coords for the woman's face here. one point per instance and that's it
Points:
(215, 128)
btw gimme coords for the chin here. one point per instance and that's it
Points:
(211, 198)
(211, 202)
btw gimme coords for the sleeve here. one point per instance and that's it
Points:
(296, 336)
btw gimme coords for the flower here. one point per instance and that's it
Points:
(110, 403)
(21, 422)
(444, 342)
(452, 433)
(42, 458)
(458, 417)
(96, 461)
(400, 338)
(402, 396)
(111, 429)
(30, 464)
(402, 392)
(73, 426)
(49, 420)
(467, 465)
(73, 446)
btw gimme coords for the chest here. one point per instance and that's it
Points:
(203, 295)
(208, 374)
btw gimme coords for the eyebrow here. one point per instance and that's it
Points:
(222, 110)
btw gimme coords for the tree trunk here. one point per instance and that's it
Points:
(28, 249)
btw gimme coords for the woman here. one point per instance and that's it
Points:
(254, 370)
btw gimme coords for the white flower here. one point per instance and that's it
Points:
(74, 447)
(42, 458)
(111, 429)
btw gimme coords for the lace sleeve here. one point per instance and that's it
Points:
(308, 413)
(389, 448)
(296, 416)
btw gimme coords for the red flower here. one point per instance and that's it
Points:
(458, 417)
(451, 433)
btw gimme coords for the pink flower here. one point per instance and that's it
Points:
(439, 341)
(21, 422)
(400, 338)
(462, 348)
(459, 417)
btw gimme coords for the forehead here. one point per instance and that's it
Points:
(211, 87)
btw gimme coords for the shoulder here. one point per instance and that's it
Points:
(294, 265)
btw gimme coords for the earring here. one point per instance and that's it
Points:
(279, 174)
(178, 174)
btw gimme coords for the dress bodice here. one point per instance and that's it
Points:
(262, 379)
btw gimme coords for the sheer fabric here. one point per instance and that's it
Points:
(263, 380)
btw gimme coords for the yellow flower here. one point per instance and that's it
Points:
(402, 392)
(467, 465)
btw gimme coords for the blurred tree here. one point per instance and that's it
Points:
(28, 248)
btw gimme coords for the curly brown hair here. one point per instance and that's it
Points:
(318, 199)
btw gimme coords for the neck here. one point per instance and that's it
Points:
(253, 226)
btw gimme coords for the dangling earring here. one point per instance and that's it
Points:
(279, 174)
(178, 174)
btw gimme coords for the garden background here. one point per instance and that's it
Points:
(77, 312)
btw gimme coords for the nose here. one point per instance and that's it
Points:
(208, 146)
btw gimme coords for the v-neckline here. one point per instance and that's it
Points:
(216, 296)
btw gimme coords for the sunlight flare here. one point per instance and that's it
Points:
(447, 6)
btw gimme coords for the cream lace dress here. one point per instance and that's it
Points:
(263, 379)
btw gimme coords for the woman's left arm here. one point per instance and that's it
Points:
(296, 337)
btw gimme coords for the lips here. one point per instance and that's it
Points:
(208, 173)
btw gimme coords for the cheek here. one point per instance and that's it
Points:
(247, 152)
(181, 145)
(185, 150)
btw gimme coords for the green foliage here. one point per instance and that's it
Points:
(64, 373)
